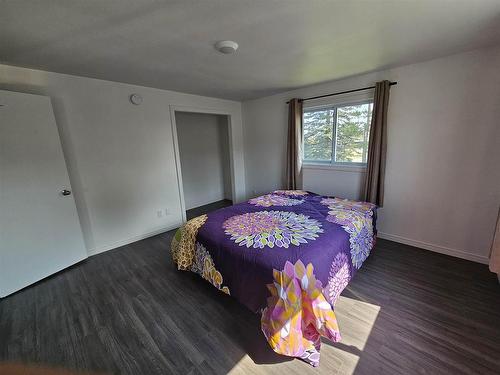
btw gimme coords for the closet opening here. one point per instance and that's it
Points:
(204, 161)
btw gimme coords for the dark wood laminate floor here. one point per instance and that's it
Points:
(129, 311)
(197, 211)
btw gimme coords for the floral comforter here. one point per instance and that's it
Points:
(287, 255)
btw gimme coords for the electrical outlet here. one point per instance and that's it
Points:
(159, 213)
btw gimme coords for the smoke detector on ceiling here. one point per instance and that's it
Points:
(226, 46)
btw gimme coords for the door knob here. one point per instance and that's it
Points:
(66, 192)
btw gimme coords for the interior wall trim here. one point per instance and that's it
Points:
(436, 248)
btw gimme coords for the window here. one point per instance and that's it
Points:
(337, 134)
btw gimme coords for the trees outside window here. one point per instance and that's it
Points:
(337, 134)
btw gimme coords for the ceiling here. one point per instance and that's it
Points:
(284, 44)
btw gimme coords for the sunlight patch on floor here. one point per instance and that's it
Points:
(289, 366)
(356, 320)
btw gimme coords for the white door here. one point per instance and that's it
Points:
(40, 232)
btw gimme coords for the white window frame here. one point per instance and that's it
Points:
(329, 103)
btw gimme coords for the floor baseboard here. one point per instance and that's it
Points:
(436, 248)
(116, 244)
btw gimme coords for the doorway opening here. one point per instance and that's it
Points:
(203, 141)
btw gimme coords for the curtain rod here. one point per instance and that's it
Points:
(340, 93)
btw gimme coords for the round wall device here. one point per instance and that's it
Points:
(226, 46)
(136, 99)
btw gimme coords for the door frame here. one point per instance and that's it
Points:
(208, 111)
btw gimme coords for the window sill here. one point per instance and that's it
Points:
(333, 167)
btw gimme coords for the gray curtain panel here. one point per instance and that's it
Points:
(294, 145)
(377, 148)
(495, 249)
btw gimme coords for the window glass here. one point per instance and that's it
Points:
(318, 134)
(337, 134)
(353, 132)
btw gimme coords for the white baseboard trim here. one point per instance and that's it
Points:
(436, 248)
(114, 245)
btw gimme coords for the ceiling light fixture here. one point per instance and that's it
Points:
(136, 99)
(226, 46)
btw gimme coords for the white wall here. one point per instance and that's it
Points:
(120, 157)
(342, 182)
(204, 157)
(443, 175)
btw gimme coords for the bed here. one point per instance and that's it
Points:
(286, 255)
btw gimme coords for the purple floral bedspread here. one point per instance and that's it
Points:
(288, 255)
